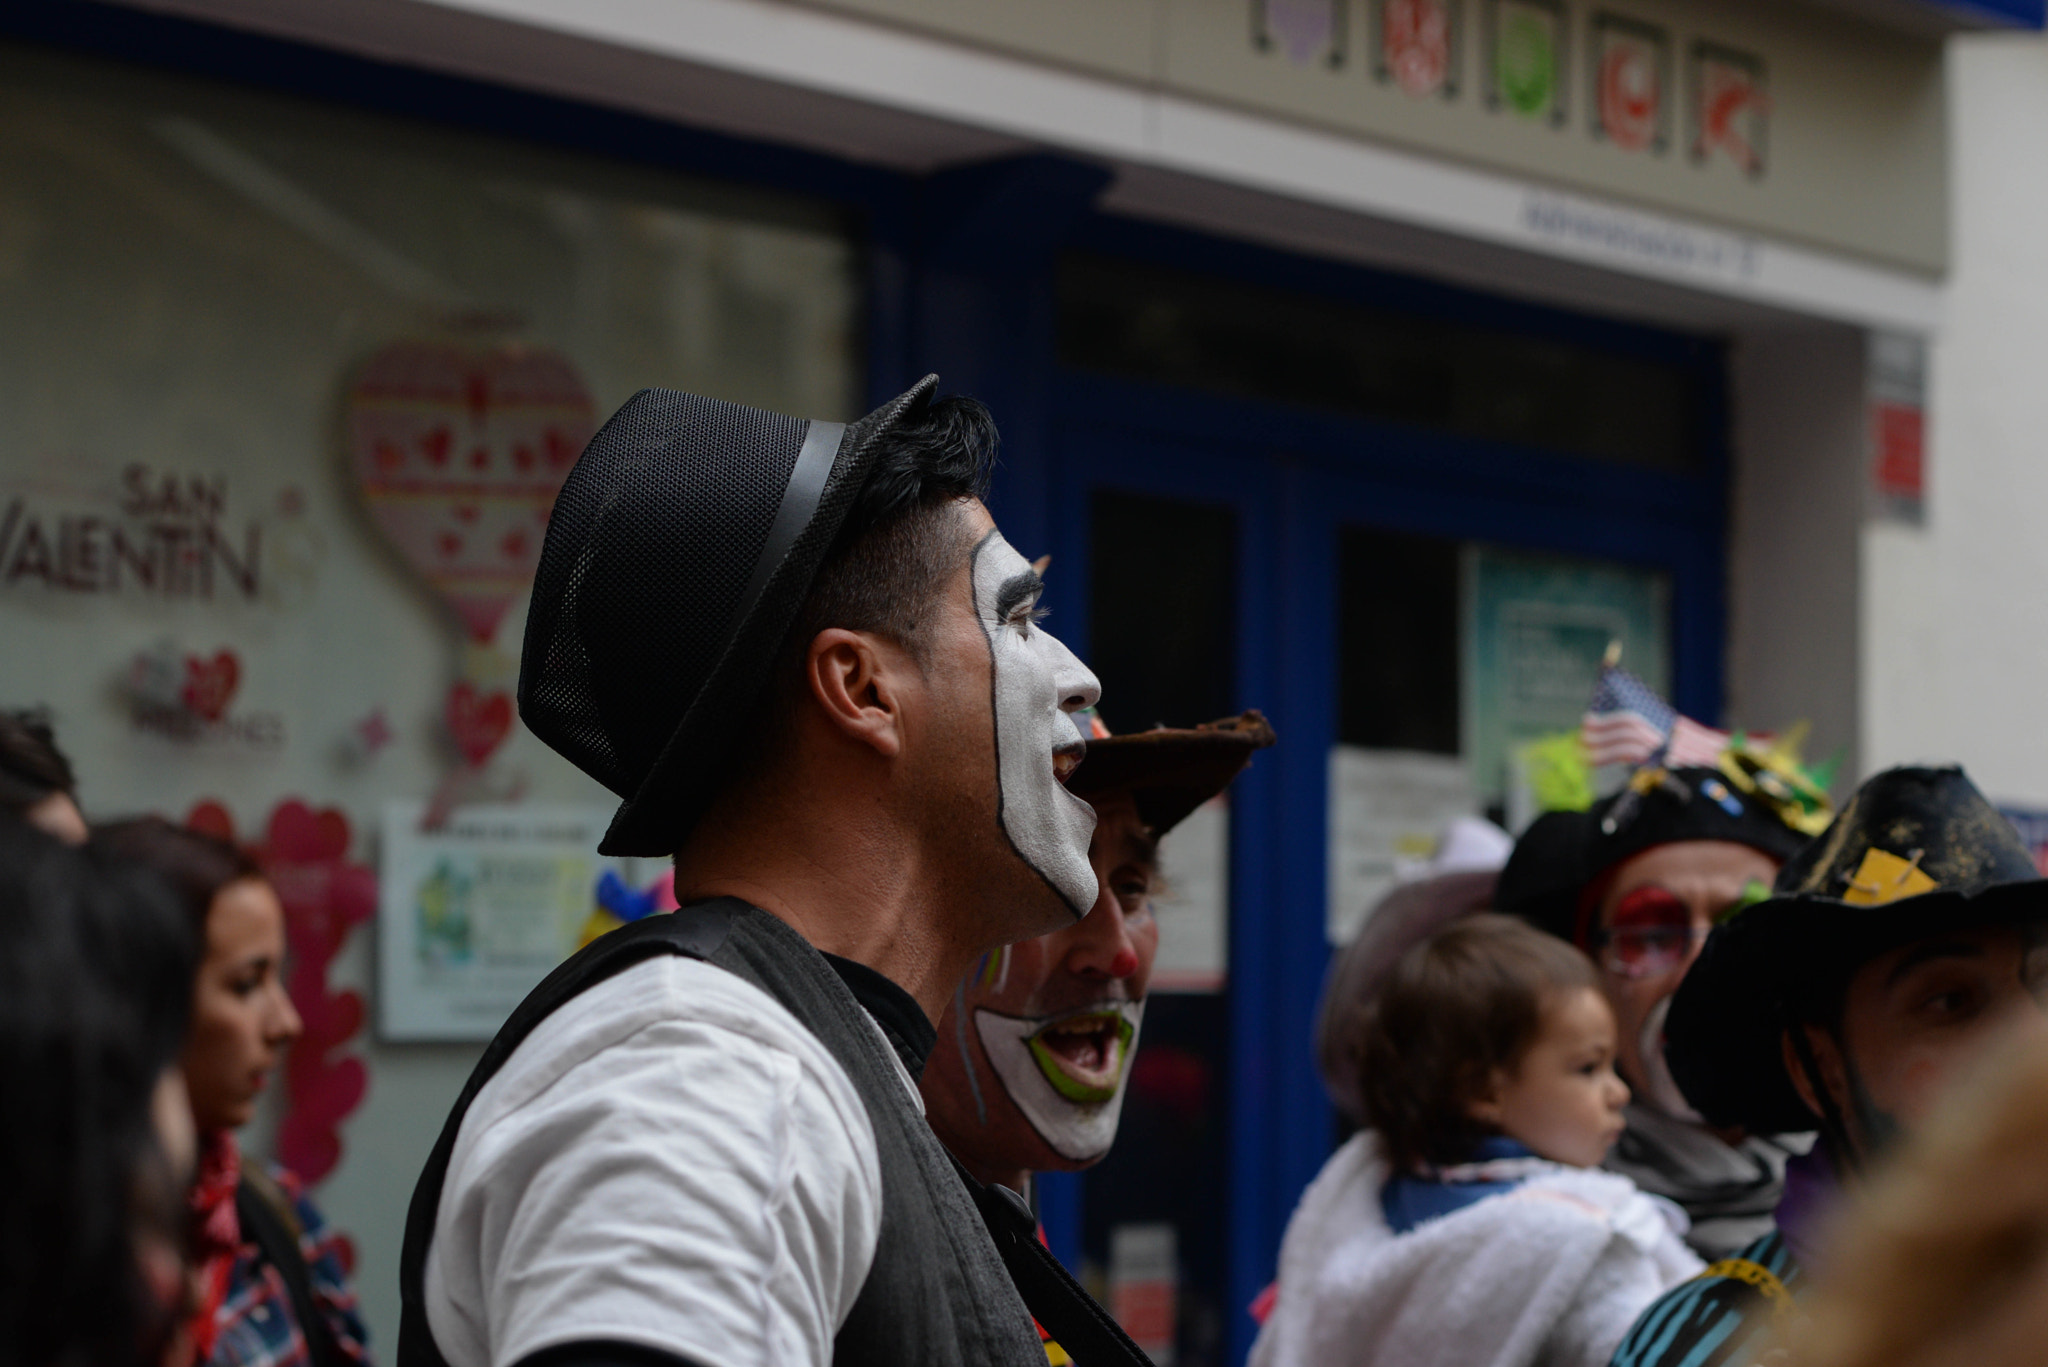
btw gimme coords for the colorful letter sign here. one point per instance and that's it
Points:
(1416, 43)
(1731, 108)
(1525, 58)
(1303, 31)
(1631, 74)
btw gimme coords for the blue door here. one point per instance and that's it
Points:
(1294, 548)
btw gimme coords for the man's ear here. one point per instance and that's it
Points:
(858, 680)
(1825, 1057)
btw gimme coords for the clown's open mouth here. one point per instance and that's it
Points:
(1066, 759)
(1083, 1055)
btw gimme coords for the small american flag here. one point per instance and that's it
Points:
(1627, 723)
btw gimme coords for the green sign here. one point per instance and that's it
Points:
(1536, 627)
(1527, 57)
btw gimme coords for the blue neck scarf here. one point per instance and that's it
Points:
(1411, 1199)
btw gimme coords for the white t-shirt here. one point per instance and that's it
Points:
(668, 1160)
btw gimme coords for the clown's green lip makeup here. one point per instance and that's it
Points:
(1067, 1072)
(1083, 1055)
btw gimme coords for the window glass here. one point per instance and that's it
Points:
(1144, 322)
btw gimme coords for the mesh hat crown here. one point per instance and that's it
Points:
(680, 550)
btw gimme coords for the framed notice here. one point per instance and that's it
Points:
(1536, 629)
(472, 915)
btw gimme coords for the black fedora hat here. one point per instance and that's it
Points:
(679, 552)
(1561, 853)
(1169, 771)
(1916, 852)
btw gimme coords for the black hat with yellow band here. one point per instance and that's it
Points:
(1915, 853)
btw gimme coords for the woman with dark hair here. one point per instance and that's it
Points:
(95, 987)
(36, 782)
(274, 1292)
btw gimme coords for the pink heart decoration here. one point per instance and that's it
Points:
(478, 721)
(442, 437)
(305, 856)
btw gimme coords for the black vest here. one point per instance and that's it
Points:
(937, 1292)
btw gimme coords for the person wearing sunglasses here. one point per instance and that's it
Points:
(1637, 882)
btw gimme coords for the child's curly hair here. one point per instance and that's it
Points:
(1458, 1007)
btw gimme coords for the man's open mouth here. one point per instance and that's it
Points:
(1066, 759)
(1083, 1055)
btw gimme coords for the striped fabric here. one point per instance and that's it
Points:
(1715, 1319)
(1627, 723)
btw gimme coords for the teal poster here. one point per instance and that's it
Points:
(1536, 627)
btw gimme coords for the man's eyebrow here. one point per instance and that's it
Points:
(1932, 950)
(1021, 587)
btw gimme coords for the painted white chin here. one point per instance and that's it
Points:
(1066, 1073)
(1661, 1089)
(1032, 676)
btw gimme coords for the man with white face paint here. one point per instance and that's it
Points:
(1035, 1048)
(813, 671)
(1047, 825)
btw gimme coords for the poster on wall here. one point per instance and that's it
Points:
(1537, 627)
(1193, 909)
(1387, 810)
(471, 915)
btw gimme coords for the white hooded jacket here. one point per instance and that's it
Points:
(1550, 1274)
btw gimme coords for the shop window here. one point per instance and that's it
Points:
(1397, 641)
(194, 280)
(1144, 322)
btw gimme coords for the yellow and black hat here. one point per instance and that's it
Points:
(1916, 852)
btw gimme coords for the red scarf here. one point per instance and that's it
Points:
(216, 1233)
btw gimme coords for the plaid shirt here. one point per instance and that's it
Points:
(255, 1326)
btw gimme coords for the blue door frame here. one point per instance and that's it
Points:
(959, 280)
(1294, 480)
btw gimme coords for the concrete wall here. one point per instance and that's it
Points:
(1954, 616)
(1796, 514)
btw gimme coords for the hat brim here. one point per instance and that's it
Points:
(699, 757)
(1170, 771)
(1722, 1037)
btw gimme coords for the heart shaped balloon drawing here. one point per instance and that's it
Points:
(459, 446)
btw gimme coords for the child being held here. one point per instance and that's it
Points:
(1470, 1224)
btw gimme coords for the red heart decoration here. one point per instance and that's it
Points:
(479, 722)
(300, 835)
(210, 683)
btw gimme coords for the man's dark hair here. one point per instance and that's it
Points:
(96, 970)
(31, 766)
(193, 865)
(1461, 1005)
(901, 542)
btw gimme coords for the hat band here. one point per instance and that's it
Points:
(799, 501)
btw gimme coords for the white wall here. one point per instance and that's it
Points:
(1795, 514)
(1955, 615)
